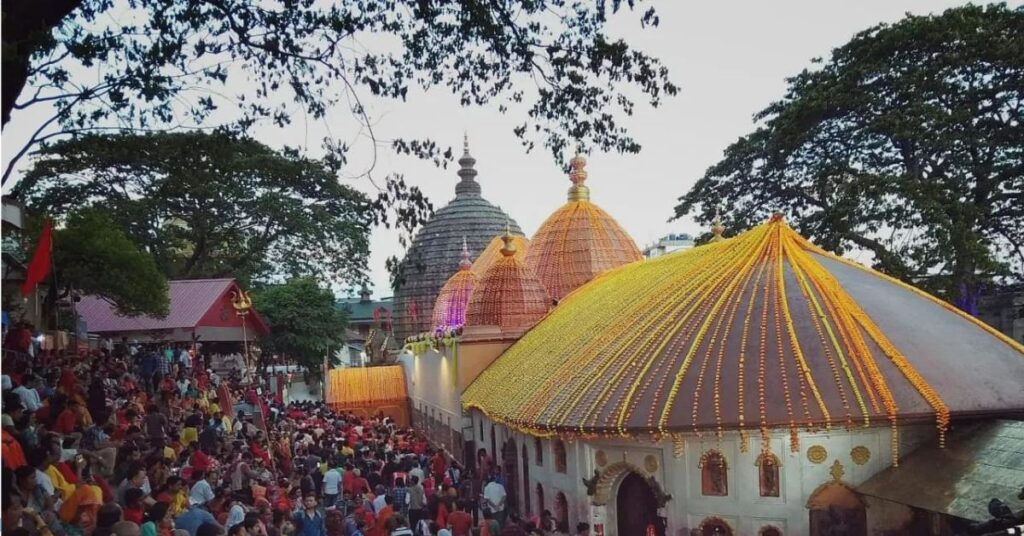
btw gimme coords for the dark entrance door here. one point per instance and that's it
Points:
(511, 469)
(635, 507)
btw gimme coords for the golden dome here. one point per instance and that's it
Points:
(508, 294)
(579, 241)
(452, 300)
(492, 253)
(756, 333)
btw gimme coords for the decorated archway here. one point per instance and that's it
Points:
(836, 509)
(621, 483)
(636, 509)
(510, 468)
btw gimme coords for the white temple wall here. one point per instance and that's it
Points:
(743, 509)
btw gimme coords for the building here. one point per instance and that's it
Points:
(201, 311)
(668, 244)
(368, 320)
(435, 251)
(752, 385)
(1003, 309)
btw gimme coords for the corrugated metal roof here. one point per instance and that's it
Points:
(981, 462)
(190, 300)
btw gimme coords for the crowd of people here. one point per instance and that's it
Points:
(135, 440)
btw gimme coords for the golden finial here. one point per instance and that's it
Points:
(466, 263)
(241, 302)
(578, 175)
(509, 248)
(717, 228)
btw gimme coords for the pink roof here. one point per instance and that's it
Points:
(190, 301)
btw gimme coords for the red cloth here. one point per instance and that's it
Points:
(66, 422)
(67, 472)
(134, 514)
(108, 493)
(442, 515)
(201, 461)
(13, 455)
(39, 266)
(439, 465)
(461, 522)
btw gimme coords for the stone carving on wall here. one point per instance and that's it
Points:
(860, 455)
(817, 454)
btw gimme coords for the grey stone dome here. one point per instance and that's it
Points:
(437, 249)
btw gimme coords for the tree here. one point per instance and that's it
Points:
(907, 143)
(155, 64)
(92, 255)
(305, 325)
(211, 205)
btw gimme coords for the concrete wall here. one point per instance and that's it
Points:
(743, 508)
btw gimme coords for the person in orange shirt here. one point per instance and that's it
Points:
(67, 421)
(13, 455)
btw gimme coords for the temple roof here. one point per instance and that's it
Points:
(578, 241)
(508, 294)
(492, 253)
(434, 254)
(756, 332)
(452, 301)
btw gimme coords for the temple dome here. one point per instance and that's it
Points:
(433, 255)
(508, 294)
(453, 299)
(492, 253)
(753, 333)
(578, 241)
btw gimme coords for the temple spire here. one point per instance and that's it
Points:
(467, 171)
(509, 248)
(466, 262)
(578, 175)
(717, 229)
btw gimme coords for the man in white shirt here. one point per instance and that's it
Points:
(381, 500)
(201, 492)
(332, 485)
(494, 500)
(28, 394)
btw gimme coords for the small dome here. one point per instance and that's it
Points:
(755, 333)
(508, 294)
(452, 301)
(434, 254)
(578, 242)
(492, 253)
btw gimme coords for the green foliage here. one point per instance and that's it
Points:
(211, 205)
(94, 256)
(172, 63)
(908, 143)
(304, 323)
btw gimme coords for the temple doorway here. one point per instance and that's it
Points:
(635, 506)
(836, 510)
(510, 467)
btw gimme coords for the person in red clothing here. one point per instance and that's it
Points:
(438, 465)
(133, 507)
(13, 455)
(459, 521)
(67, 421)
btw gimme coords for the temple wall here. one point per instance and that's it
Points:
(676, 470)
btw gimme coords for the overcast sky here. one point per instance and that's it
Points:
(729, 58)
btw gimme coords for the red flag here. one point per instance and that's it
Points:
(39, 267)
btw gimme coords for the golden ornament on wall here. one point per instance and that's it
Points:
(601, 458)
(837, 471)
(860, 455)
(817, 454)
(651, 463)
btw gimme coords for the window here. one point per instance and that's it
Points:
(526, 481)
(540, 498)
(481, 421)
(560, 462)
(769, 530)
(768, 474)
(538, 450)
(714, 474)
(561, 510)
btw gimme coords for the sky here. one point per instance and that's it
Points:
(730, 59)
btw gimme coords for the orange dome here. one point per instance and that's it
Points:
(578, 242)
(492, 253)
(451, 303)
(508, 294)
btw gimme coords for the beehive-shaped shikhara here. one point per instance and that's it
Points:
(508, 294)
(492, 253)
(755, 333)
(579, 241)
(453, 300)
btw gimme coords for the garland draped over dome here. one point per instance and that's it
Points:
(578, 241)
(753, 333)
(492, 253)
(452, 301)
